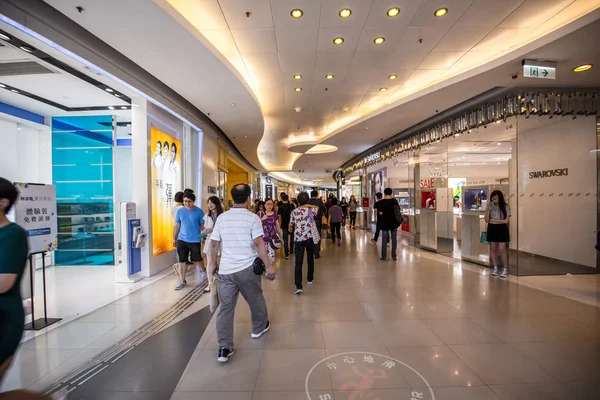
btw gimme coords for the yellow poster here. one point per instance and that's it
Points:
(166, 181)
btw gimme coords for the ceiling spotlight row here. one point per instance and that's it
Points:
(346, 12)
(378, 40)
(331, 76)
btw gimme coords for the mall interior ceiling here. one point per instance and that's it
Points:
(300, 88)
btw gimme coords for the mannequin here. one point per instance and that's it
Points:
(430, 202)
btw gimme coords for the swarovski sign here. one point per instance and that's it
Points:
(372, 157)
(551, 173)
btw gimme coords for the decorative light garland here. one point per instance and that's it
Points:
(551, 104)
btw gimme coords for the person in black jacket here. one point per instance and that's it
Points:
(389, 224)
(315, 201)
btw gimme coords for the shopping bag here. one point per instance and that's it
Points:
(483, 238)
(214, 295)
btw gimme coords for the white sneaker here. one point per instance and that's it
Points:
(495, 271)
(257, 335)
(311, 282)
(298, 291)
(504, 273)
(180, 285)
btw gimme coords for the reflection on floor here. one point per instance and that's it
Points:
(420, 327)
(73, 292)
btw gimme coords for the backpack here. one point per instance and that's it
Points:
(397, 212)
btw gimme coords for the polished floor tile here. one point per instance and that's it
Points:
(460, 331)
(342, 312)
(350, 335)
(241, 339)
(295, 335)
(283, 370)
(206, 374)
(500, 364)
(212, 396)
(546, 391)
(73, 336)
(438, 365)
(389, 311)
(295, 312)
(406, 333)
(465, 393)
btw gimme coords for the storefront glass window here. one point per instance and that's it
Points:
(82, 170)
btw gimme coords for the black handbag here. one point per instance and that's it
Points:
(258, 266)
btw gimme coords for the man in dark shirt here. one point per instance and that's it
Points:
(284, 210)
(376, 211)
(315, 201)
(386, 209)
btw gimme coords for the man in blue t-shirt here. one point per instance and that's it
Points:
(186, 235)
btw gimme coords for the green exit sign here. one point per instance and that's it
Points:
(540, 70)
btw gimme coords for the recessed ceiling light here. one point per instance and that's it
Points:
(394, 11)
(392, 77)
(440, 12)
(14, 90)
(5, 37)
(2, 85)
(297, 13)
(27, 49)
(298, 89)
(123, 108)
(345, 12)
(329, 76)
(117, 95)
(109, 90)
(338, 40)
(111, 107)
(582, 68)
(297, 77)
(383, 89)
(128, 125)
(379, 40)
(233, 104)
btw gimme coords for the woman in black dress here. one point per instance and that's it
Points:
(497, 215)
(13, 258)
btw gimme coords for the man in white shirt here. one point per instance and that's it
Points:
(240, 234)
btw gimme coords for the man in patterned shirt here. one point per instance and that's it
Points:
(305, 235)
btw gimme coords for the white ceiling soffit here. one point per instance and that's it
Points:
(155, 41)
(55, 85)
(268, 48)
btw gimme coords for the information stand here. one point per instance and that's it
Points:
(40, 323)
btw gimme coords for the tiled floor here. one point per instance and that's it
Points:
(367, 329)
(469, 335)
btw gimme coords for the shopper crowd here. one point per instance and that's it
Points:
(240, 246)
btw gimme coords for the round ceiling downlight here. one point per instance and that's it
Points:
(383, 89)
(392, 77)
(440, 12)
(329, 76)
(338, 40)
(297, 77)
(5, 37)
(297, 13)
(27, 49)
(379, 40)
(582, 68)
(345, 12)
(298, 89)
(393, 12)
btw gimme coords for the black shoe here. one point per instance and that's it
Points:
(382, 259)
(224, 354)
(317, 256)
(258, 335)
(395, 258)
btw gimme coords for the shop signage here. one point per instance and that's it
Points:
(551, 173)
(35, 211)
(537, 69)
(372, 157)
(427, 183)
(212, 190)
(406, 181)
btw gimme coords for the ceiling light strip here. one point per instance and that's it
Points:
(485, 109)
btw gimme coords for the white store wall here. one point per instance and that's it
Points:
(557, 215)
(210, 162)
(26, 151)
